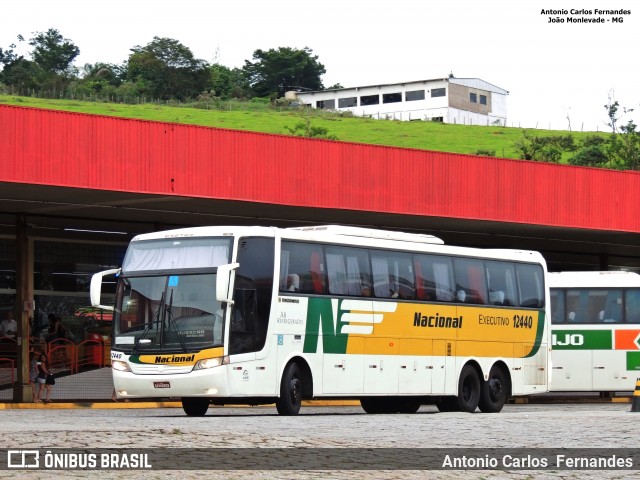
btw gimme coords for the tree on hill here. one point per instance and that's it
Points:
(53, 53)
(102, 78)
(543, 148)
(228, 83)
(167, 69)
(51, 65)
(591, 152)
(623, 147)
(275, 71)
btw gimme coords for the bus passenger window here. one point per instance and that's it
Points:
(347, 270)
(434, 276)
(530, 283)
(557, 306)
(470, 277)
(392, 275)
(301, 268)
(632, 306)
(501, 277)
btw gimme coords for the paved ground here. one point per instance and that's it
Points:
(91, 385)
(518, 426)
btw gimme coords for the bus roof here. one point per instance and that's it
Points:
(603, 279)
(348, 235)
(371, 233)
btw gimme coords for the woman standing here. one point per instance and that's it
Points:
(43, 383)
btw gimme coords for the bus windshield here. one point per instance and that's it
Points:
(167, 313)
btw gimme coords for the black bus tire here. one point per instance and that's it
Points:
(494, 392)
(291, 388)
(469, 389)
(195, 406)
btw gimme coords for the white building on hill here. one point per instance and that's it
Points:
(467, 101)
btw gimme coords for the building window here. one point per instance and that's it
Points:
(369, 100)
(326, 104)
(391, 97)
(473, 98)
(483, 99)
(438, 92)
(414, 95)
(347, 102)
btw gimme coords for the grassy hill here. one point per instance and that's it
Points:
(261, 117)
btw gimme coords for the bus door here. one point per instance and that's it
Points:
(250, 372)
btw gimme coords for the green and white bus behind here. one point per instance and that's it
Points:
(596, 331)
(259, 315)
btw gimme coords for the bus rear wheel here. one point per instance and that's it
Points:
(447, 404)
(291, 388)
(379, 404)
(469, 389)
(494, 392)
(195, 407)
(408, 405)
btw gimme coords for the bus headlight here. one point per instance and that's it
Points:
(120, 366)
(210, 363)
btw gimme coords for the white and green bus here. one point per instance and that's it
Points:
(596, 331)
(260, 315)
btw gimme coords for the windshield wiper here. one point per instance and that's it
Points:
(155, 320)
(172, 323)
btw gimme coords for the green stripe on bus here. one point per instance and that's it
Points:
(320, 316)
(633, 360)
(582, 340)
(539, 332)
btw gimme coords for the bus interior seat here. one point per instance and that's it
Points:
(496, 297)
(293, 282)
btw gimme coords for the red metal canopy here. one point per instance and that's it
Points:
(55, 148)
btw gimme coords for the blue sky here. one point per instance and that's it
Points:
(557, 74)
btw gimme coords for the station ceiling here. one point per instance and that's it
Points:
(99, 215)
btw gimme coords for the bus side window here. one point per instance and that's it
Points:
(348, 269)
(392, 275)
(434, 277)
(530, 283)
(470, 277)
(301, 268)
(557, 306)
(612, 312)
(501, 278)
(632, 305)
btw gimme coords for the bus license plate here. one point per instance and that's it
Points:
(161, 385)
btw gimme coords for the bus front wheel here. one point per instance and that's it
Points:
(195, 407)
(291, 389)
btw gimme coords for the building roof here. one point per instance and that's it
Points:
(469, 82)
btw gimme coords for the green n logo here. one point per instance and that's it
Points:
(320, 311)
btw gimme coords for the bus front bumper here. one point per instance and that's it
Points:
(211, 382)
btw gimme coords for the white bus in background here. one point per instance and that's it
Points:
(259, 315)
(596, 331)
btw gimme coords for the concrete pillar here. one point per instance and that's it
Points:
(23, 308)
